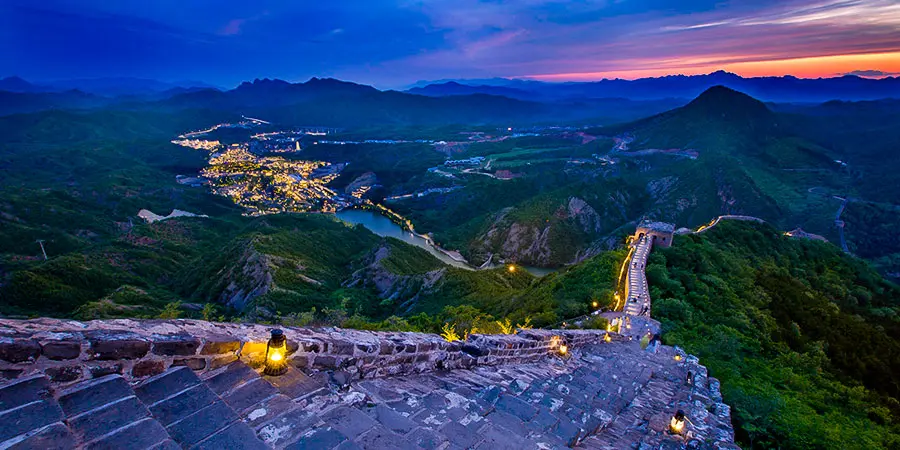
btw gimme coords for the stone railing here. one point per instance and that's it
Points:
(69, 351)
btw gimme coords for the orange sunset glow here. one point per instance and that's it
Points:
(809, 67)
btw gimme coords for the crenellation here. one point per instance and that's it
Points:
(595, 394)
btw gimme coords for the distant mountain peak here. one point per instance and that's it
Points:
(723, 100)
(16, 84)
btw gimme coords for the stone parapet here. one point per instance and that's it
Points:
(69, 351)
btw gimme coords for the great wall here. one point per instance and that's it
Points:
(169, 384)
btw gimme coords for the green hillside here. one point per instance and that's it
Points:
(805, 340)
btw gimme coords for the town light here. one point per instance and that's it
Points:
(607, 338)
(512, 268)
(676, 425)
(594, 304)
(276, 352)
(563, 350)
(677, 357)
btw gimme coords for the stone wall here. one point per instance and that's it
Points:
(68, 351)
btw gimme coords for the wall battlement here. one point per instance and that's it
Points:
(153, 384)
(69, 351)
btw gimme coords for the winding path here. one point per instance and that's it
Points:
(637, 292)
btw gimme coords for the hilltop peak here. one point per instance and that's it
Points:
(727, 103)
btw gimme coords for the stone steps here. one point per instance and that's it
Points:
(30, 418)
(602, 396)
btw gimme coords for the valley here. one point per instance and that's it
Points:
(416, 225)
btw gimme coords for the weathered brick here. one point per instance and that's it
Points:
(99, 370)
(184, 404)
(268, 410)
(64, 374)
(197, 363)
(170, 383)
(516, 407)
(295, 384)
(474, 350)
(340, 347)
(175, 345)
(325, 362)
(148, 368)
(10, 374)
(107, 419)
(379, 437)
(233, 376)
(203, 423)
(217, 345)
(324, 437)
(349, 421)
(249, 394)
(237, 436)
(221, 361)
(106, 345)
(17, 350)
(28, 417)
(56, 436)
(26, 390)
(60, 350)
(143, 434)
(91, 394)
(288, 427)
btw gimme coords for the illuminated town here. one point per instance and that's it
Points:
(270, 184)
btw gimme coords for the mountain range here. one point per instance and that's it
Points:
(769, 89)
(107, 86)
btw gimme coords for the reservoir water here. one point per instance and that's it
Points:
(383, 226)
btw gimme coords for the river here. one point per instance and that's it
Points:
(383, 226)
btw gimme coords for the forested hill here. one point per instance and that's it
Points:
(805, 340)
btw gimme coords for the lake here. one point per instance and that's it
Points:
(383, 226)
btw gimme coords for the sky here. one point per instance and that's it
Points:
(392, 44)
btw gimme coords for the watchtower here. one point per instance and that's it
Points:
(659, 232)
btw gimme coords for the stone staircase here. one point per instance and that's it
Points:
(603, 396)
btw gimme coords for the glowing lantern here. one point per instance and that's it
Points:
(276, 354)
(607, 338)
(594, 304)
(676, 425)
(677, 357)
(512, 268)
(563, 350)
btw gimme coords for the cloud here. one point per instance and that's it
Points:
(390, 42)
(233, 27)
(870, 73)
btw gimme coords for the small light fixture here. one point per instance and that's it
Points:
(607, 338)
(276, 354)
(594, 304)
(512, 268)
(676, 425)
(563, 350)
(677, 357)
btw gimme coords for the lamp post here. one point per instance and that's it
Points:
(276, 353)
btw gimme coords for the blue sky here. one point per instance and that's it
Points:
(394, 43)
